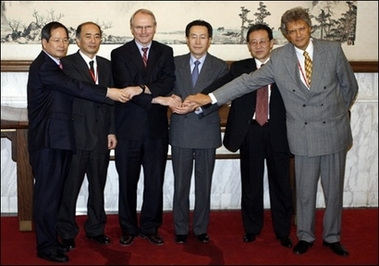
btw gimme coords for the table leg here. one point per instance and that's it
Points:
(25, 182)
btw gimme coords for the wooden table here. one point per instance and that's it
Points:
(14, 126)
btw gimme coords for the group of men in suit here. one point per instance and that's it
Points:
(317, 118)
(69, 137)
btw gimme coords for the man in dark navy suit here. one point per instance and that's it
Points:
(51, 139)
(95, 137)
(147, 67)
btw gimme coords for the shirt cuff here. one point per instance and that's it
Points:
(199, 111)
(213, 98)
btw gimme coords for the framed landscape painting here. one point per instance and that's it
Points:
(22, 21)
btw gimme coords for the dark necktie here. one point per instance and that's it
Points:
(308, 67)
(92, 70)
(144, 56)
(261, 108)
(195, 72)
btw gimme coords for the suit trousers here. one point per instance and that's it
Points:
(254, 151)
(95, 164)
(50, 168)
(331, 168)
(182, 162)
(129, 156)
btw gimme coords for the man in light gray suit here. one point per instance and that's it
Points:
(193, 139)
(318, 126)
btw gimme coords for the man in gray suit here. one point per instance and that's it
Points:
(318, 125)
(193, 139)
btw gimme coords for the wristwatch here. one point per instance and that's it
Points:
(143, 87)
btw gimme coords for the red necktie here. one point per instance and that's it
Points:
(261, 109)
(144, 56)
(60, 65)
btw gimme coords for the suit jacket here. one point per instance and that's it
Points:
(50, 95)
(243, 108)
(317, 118)
(93, 121)
(188, 131)
(159, 76)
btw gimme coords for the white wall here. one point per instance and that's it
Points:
(361, 183)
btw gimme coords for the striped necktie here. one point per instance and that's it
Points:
(144, 56)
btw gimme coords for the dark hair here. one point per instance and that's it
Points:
(199, 22)
(79, 28)
(259, 27)
(294, 14)
(49, 27)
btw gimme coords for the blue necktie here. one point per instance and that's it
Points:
(195, 72)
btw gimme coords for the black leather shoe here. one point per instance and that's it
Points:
(127, 240)
(69, 243)
(286, 242)
(181, 239)
(154, 239)
(55, 257)
(204, 238)
(337, 248)
(249, 237)
(62, 248)
(302, 247)
(101, 239)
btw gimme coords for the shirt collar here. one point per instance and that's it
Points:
(309, 49)
(87, 59)
(140, 46)
(53, 58)
(259, 63)
(201, 59)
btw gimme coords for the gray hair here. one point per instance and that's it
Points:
(294, 14)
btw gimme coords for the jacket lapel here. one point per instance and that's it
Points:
(185, 69)
(292, 65)
(319, 59)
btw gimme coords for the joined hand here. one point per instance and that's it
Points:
(197, 100)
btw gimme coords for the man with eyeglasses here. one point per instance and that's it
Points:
(318, 87)
(147, 67)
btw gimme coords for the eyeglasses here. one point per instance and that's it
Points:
(262, 43)
(141, 28)
(59, 40)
